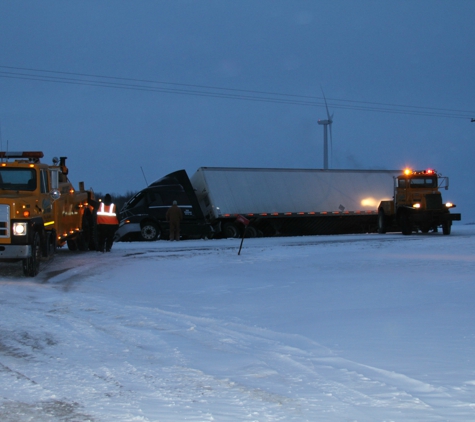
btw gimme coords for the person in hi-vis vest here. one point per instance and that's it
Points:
(107, 224)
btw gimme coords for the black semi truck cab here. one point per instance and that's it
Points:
(143, 217)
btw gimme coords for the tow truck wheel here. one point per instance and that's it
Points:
(381, 222)
(31, 265)
(446, 227)
(84, 238)
(51, 245)
(82, 242)
(405, 224)
(72, 244)
(150, 232)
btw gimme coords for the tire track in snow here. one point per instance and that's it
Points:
(118, 358)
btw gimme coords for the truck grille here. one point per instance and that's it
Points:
(434, 201)
(4, 221)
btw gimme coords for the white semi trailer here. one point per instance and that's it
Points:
(291, 201)
(285, 202)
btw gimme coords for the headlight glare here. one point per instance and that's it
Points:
(19, 229)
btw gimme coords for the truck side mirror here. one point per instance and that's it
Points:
(54, 176)
(55, 194)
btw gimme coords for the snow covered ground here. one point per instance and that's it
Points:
(322, 328)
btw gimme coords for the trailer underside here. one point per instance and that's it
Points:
(305, 225)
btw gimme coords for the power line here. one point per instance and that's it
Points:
(221, 92)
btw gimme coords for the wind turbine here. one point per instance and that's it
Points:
(326, 123)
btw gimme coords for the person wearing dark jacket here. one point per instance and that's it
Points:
(107, 223)
(174, 217)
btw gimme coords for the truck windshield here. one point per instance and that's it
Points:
(136, 200)
(423, 182)
(418, 182)
(17, 179)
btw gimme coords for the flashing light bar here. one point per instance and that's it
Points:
(409, 172)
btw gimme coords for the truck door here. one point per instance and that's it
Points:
(188, 224)
(46, 201)
(155, 204)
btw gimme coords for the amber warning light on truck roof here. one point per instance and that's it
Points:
(409, 172)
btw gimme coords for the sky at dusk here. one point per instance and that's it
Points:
(122, 87)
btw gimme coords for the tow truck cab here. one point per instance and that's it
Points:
(39, 209)
(418, 203)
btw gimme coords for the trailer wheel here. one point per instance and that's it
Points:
(230, 230)
(382, 223)
(250, 232)
(31, 265)
(446, 227)
(150, 232)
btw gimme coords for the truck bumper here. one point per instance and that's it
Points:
(127, 229)
(452, 217)
(433, 216)
(15, 251)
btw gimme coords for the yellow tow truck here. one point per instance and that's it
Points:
(417, 204)
(40, 210)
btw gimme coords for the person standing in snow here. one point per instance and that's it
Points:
(107, 223)
(174, 217)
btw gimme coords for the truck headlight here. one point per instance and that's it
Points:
(19, 229)
(416, 205)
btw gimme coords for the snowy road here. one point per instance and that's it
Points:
(330, 328)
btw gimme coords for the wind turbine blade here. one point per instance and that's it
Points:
(326, 106)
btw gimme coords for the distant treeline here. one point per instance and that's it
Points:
(118, 199)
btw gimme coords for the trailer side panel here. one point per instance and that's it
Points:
(223, 191)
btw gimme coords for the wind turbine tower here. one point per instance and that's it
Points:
(327, 124)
